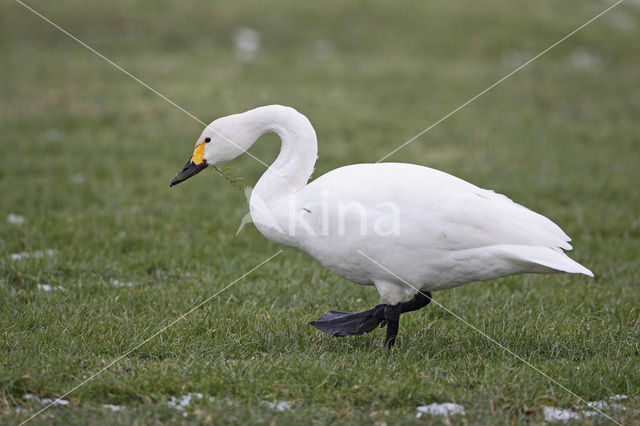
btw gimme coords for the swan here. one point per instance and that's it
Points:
(403, 228)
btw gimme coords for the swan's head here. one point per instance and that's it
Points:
(221, 141)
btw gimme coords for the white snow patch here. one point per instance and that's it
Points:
(584, 59)
(78, 178)
(246, 42)
(618, 397)
(45, 401)
(53, 135)
(621, 21)
(279, 405)
(445, 409)
(181, 403)
(112, 407)
(47, 287)
(608, 405)
(600, 405)
(552, 414)
(15, 219)
(512, 58)
(36, 254)
(118, 283)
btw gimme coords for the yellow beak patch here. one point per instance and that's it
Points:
(198, 154)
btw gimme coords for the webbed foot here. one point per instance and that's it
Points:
(340, 324)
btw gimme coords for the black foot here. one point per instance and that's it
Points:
(340, 324)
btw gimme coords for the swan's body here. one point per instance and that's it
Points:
(450, 231)
(400, 227)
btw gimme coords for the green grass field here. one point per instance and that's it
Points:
(86, 155)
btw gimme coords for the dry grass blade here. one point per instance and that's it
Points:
(235, 181)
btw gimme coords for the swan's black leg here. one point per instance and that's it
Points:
(420, 300)
(392, 314)
(392, 318)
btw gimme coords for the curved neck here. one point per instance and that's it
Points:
(292, 169)
(271, 200)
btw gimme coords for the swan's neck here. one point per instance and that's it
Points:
(291, 171)
(274, 198)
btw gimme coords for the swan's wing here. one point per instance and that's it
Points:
(481, 218)
(436, 209)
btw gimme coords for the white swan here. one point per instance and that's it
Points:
(400, 227)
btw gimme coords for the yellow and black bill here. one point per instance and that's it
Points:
(195, 165)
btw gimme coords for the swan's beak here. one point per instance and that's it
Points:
(195, 165)
(189, 169)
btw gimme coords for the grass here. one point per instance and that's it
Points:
(86, 155)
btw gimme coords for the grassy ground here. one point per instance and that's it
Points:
(86, 155)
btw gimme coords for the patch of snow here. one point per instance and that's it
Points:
(182, 402)
(15, 219)
(117, 283)
(600, 405)
(246, 42)
(607, 405)
(552, 414)
(584, 59)
(445, 409)
(112, 407)
(617, 397)
(513, 58)
(78, 178)
(279, 405)
(47, 287)
(45, 401)
(621, 21)
(36, 254)
(53, 135)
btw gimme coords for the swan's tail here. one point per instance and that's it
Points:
(550, 258)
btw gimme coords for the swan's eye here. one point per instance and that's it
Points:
(207, 140)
